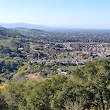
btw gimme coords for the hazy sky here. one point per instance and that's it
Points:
(73, 13)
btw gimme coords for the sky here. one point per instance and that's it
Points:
(64, 13)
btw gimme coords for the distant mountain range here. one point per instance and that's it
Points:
(24, 25)
(22, 32)
(47, 28)
(34, 26)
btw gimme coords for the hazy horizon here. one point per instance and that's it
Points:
(34, 26)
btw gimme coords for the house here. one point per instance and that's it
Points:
(20, 49)
(63, 73)
(60, 71)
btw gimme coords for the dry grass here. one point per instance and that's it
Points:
(35, 76)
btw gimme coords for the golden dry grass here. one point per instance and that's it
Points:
(35, 76)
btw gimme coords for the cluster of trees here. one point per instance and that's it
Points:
(12, 48)
(7, 66)
(87, 88)
(39, 55)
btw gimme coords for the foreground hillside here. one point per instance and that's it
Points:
(86, 88)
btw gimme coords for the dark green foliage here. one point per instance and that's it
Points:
(3, 103)
(7, 66)
(88, 88)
